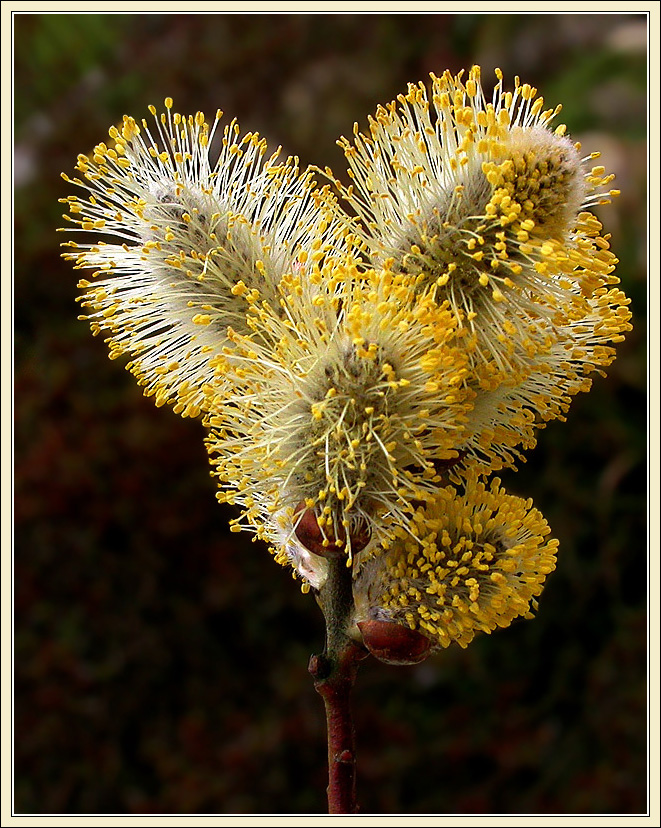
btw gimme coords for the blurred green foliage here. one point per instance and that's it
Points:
(160, 662)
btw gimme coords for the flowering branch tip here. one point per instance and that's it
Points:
(364, 357)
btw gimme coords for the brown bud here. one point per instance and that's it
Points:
(443, 466)
(360, 538)
(310, 535)
(393, 643)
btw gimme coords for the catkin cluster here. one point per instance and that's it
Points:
(365, 355)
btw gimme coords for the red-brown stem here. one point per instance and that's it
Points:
(334, 673)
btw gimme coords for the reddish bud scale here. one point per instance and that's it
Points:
(393, 643)
(326, 545)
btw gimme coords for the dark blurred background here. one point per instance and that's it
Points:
(160, 662)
